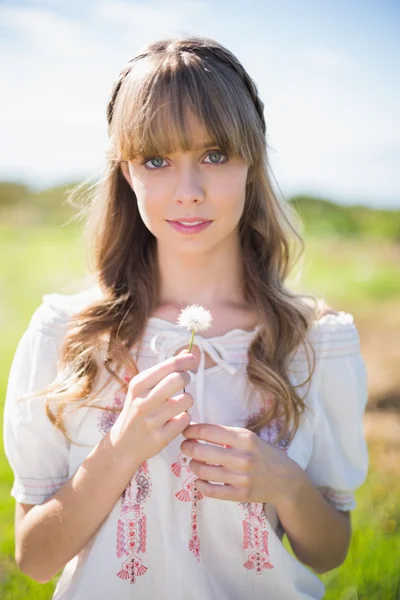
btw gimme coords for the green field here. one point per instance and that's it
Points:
(354, 275)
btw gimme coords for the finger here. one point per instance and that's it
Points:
(175, 426)
(153, 375)
(235, 460)
(235, 437)
(217, 474)
(168, 387)
(171, 408)
(220, 492)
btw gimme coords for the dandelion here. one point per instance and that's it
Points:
(195, 318)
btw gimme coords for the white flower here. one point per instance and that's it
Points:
(195, 318)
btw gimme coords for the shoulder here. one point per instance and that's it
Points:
(338, 389)
(336, 334)
(56, 309)
(340, 380)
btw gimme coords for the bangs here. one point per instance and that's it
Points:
(155, 105)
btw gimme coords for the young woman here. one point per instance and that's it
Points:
(148, 472)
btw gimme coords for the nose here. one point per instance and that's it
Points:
(189, 186)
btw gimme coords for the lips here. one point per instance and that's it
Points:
(185, 220)
(192, 225)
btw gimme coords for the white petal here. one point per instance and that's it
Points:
(195, 317)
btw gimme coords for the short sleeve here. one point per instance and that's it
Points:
(339, 459)
(37, 451)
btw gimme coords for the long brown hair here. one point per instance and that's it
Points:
(146, 116)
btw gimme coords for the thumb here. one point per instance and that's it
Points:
(184, 351)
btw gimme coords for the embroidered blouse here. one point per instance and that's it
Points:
(163, 539)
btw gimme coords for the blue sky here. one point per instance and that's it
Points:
(326, 72)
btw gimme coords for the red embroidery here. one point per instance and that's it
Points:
(255, 537)
(132, 522)
(255, 524)
(188, 493)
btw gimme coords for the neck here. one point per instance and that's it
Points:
(212, 280)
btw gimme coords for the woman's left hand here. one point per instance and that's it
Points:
(251, 469)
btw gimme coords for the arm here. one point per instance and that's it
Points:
(318, 533)
(52, 533)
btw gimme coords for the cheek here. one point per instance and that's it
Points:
(233, 196)
(143, 207)
(147, 205)
(238, 210)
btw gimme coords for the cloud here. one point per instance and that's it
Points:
(40, 28)
(58, 82)
(324, 58)
(157, 17)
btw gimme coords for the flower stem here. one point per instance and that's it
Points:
(190, 347)
(191, 341)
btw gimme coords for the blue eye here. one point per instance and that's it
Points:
(156, 162)
(152, 161)
(217, 154)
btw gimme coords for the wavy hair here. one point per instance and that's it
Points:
(146, 116)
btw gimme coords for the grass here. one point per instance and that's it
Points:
(372, 567)
(353, 275)
(35, 261)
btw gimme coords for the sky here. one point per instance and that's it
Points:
(324, 70)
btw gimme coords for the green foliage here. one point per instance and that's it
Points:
(12, 193)
(324, 218)
(21, 206)
(354, 273)
(371, 569)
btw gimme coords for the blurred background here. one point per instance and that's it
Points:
(326, 74)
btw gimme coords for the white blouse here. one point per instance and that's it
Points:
(163, 539)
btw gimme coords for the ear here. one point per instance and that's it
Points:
(125, 171)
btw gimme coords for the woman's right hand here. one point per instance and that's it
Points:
(150, 418)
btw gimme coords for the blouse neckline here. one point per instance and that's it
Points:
(163, 338)
(159, 323)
